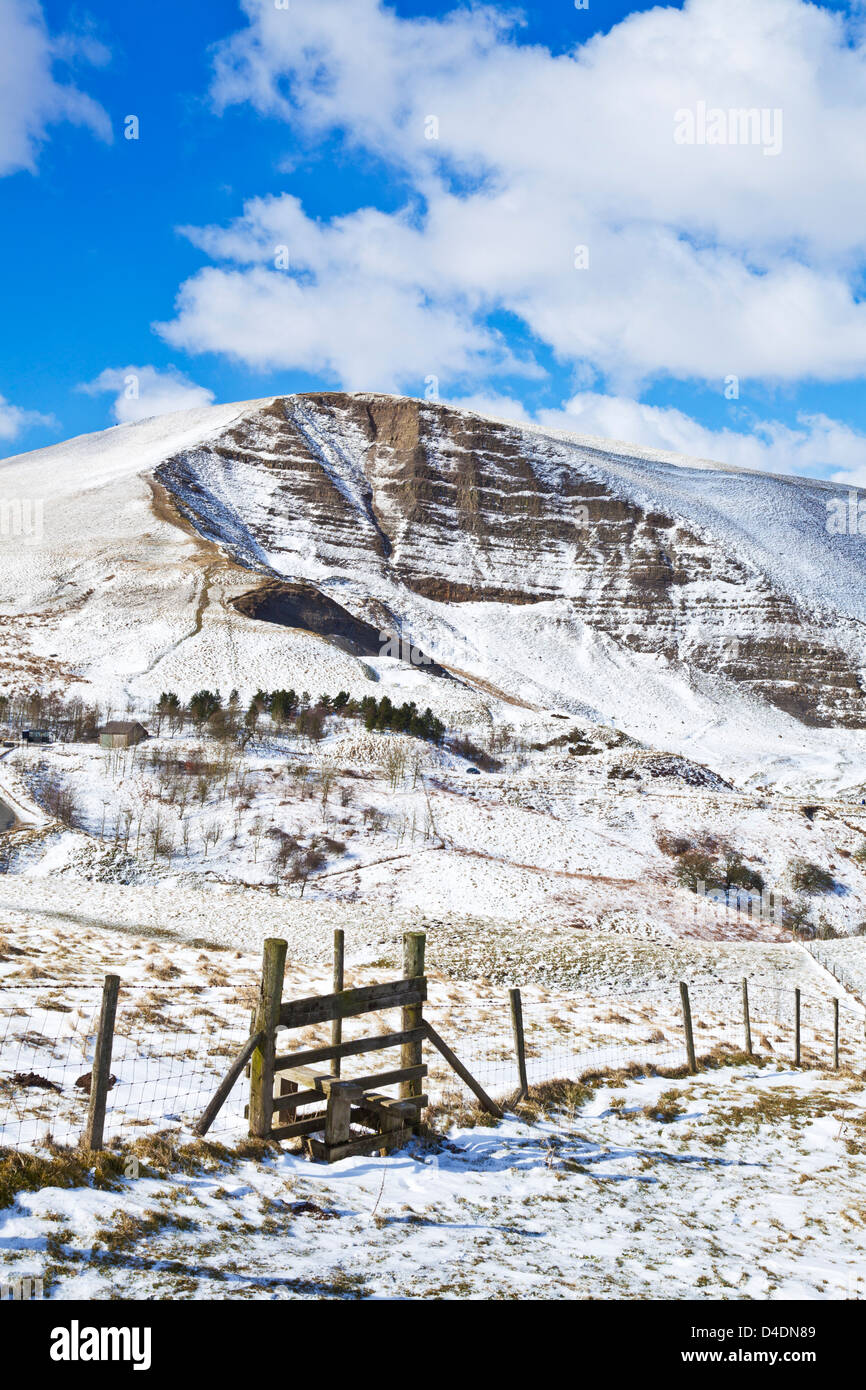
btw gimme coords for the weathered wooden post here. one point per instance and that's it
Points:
(519, 1042)
(225, 1086)
(101, 1072)
(796, 1027)
(747, 1022)
(411, 1053)
(337, 1023)
(836, 1033)
(338, 1115)
(267, 1018)
(687, 1024)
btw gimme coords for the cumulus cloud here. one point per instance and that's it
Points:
(349, 298)
(14, 420)
(553, 190)
(140, 392)
(816, 444)
(31, 96)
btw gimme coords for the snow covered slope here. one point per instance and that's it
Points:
(701, 608)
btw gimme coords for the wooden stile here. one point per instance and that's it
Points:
(337, 1023)
(347, 1101)
(267, 1018)
(347, 1049)
(302, 1013)
(413, 1014)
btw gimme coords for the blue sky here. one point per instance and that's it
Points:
(439, 264)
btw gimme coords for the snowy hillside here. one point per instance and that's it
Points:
(702, 610)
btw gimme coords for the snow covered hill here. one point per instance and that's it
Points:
(702, 609)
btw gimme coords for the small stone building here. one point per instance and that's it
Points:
(121, 733)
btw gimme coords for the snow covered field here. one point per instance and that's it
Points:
(740, 1184)
(402, 831)
(748, 1186)
(743, 1182)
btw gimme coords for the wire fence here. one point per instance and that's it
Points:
(577, 1034)
(843, 959)
(171, 1050)
(173, 1046)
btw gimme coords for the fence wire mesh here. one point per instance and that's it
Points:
(575, 1034)
(171, 1049)
(173, 1046)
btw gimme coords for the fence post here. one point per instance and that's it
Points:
(687, 1024)
(519, 1042)
(267, 1018)
(747, 1022)
(796, 1027)
(836, 1033)
(411, 1054)
(337, 1023)
(101, 1072)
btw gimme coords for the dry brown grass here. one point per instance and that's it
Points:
(58, 1167)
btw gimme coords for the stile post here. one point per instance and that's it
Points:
(747, 1022)
(337, 1116)
(519, 1041)
(836, 1033)
(101, 1072)
(411, 1054)
(687, 1024)
(337, 1023)
(267, 1018)
(796, 1027)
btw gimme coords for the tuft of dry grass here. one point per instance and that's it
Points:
(782, 1104)
(128, 1228)
(666, 1108)
(58, 1167)
(159, 1154)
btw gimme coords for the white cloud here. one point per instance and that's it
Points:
(816, 445)
(500, 407)
(144, 391)
(31, 97)
(354, 302)
(14, 420)
(704, 260)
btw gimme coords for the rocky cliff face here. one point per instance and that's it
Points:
(397, 501)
